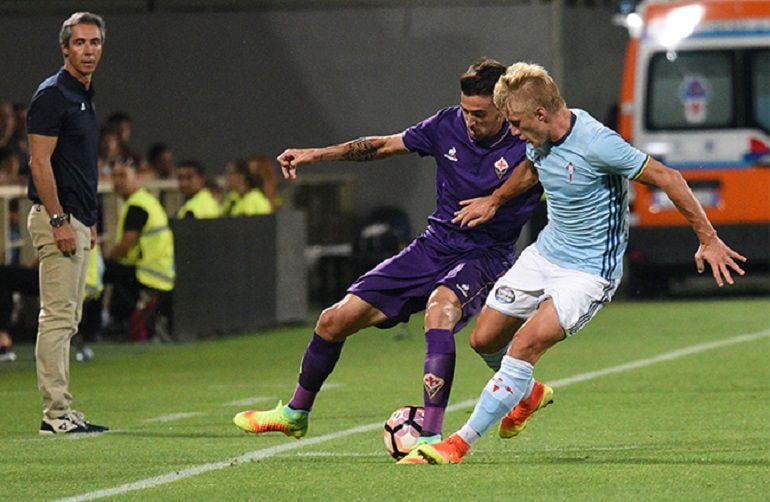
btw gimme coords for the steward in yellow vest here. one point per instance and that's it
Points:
(245, 197)
(251, 203)
(141, 264)
(199, 202)
(151, 250)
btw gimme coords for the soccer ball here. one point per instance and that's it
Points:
(402, 430)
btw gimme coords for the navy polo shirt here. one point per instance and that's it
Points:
(62, 107)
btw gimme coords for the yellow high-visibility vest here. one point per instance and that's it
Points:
(201, 205)
(153, 253)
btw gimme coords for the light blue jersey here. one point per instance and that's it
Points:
(585, 177)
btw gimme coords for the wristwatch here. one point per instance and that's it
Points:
(57, 220)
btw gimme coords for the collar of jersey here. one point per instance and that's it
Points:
(494, 140)
(71, 82)
(572, 120)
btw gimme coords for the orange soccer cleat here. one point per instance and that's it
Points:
(517, 419)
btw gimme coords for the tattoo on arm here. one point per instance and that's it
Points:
(360, 149)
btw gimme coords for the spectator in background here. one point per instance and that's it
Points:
(160, 163)
(10, 132)
(141, 265)
(198, 203)
(264, 167)
(9, 166)
(245, 197)
(122, 124)
(19, 138)
(109, 153)
(7, 123)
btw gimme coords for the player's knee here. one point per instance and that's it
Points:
(331, 325)
(481, 343)
(531, 345)
(442, 313)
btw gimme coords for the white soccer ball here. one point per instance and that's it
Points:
(402, 430)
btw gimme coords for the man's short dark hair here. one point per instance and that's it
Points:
(194, 165)
(155, 152)
(480, 79)
(81, 18)
(118, 117)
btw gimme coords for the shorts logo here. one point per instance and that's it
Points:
(432, 384)
(504, 294)
(500, 167)
(464, 288)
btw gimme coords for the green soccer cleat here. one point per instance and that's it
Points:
(517, 419)
(417, 458)
(280, 419)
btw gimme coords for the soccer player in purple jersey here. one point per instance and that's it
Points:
(447, 271)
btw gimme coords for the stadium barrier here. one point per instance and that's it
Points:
(236, 275)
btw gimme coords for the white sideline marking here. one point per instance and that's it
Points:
(170, 477)
(574, 449)
(174, 416)
(330, 454)
(250, 400)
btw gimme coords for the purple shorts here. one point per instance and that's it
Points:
(401, 285)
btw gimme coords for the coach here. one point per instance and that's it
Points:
(63, 142)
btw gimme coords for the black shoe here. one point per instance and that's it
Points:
(72, 423)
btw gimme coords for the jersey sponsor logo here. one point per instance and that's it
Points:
(501, 166)
(504, 294)
(570, 171)
(464, 288)
(432, 384)
(451, 154)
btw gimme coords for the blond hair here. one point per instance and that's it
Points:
(530, 83)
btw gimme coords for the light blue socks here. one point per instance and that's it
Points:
(503, 391)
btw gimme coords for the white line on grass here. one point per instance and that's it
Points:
(171, 417)
(170, 477)
(250, 400)
(576, 449)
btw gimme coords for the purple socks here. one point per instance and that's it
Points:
(317, 364)
(437, 378)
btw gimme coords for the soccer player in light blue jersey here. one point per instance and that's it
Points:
(562, 280)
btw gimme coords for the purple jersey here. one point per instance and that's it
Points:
(466, 169)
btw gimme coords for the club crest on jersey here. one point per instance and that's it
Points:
(570, 171)
(451, 154)
(432, 384)
(501, 166)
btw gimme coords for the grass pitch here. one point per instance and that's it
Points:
(691, 426)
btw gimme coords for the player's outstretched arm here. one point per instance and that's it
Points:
(481, 209)
(719, 256)
(361, 149)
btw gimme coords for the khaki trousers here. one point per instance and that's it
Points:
(62, 287)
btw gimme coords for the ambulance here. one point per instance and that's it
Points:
(696, 95)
